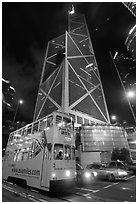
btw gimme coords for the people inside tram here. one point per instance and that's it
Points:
(60, 155)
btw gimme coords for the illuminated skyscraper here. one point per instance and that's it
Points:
(131, 38)
(7, 95)
(131, 6)
(131, 42)
(70, 79)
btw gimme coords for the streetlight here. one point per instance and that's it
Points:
(113, 117)
(19, 102)
(130, 94)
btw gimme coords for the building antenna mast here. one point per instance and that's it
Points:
(72, 11)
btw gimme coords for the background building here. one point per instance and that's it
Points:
(131, 39)
(70, 80)
(131, 42)
(8, 93)
(96, 142)
(126, 69)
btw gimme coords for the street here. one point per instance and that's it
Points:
(98, 191)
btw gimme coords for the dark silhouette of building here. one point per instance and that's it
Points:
(8, 92)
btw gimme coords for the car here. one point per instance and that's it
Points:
(109, 171)
(129, 167)
(96, 165)
(83, 175)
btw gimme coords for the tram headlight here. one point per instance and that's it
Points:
(53, 175)
(67, 173)
(87, 175)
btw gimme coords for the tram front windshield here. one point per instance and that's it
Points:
(58, 151)
(63, 152)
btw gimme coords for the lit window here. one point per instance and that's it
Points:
(58, 151)
(67, 155)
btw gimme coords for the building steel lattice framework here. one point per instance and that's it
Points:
(70, 79)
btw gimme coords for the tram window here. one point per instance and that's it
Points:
(19, 132)
(73, 153)
(50, 121)
(10, 155)
(36, 148)
(33, 146)
(19, 155)
(42, 125)
(49, 146)
(35, 127)
(15, 155)
(11, 138)
(6, 155)
(58, 151)
(30, 153)
(24, 132)
(25, 155)
(67, 155)
(17, 136)
(29, 129)
(42, 141)
(67, 121)
(58, 119)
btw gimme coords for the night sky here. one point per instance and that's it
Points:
(26, 29)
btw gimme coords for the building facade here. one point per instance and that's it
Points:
(70, 80)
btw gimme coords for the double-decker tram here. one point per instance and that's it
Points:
(42, 154)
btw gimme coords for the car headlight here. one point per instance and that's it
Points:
(123, 173)
(87, 175)
(67, 173)
(95, 173)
